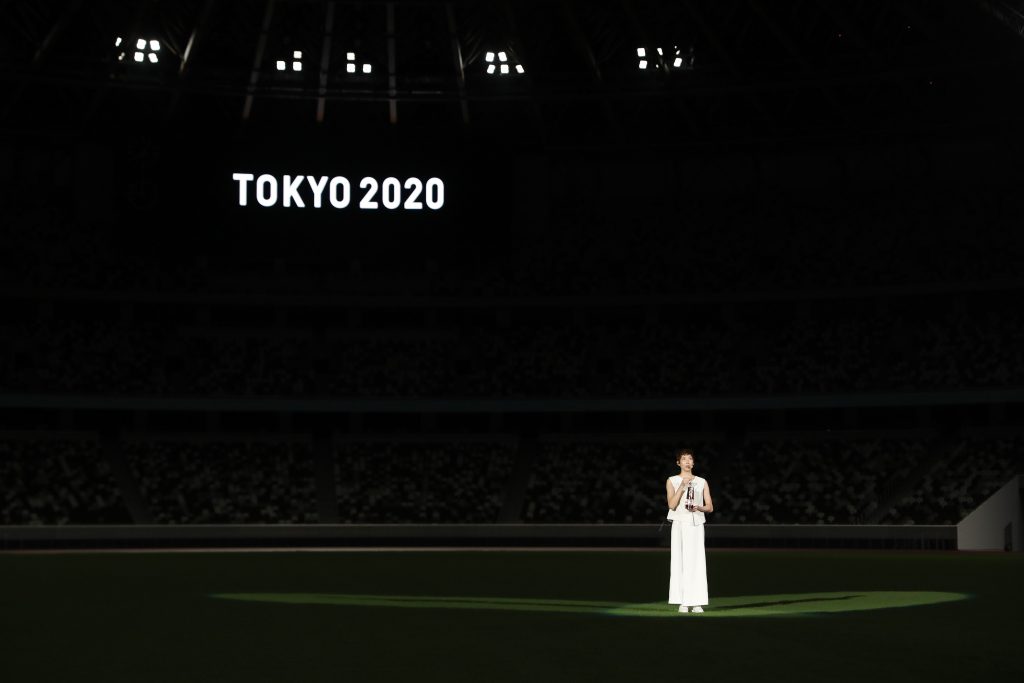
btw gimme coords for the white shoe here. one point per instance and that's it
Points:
(697, 608)
(682, 608)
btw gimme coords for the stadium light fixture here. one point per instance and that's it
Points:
(682, 60)
(282, 64)
(679, 60)
(351, 66)
(146, 50)
(502, 63)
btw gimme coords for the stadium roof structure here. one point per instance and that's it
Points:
(710, 69)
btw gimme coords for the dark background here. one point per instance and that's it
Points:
(811, 234)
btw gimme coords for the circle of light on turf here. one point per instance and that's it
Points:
(778, 605)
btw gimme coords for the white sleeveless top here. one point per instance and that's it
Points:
(681, 513)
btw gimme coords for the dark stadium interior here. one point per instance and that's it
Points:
(784, 235)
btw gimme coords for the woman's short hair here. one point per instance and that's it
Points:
(683, 451)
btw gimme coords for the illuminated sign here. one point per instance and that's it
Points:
(301, 191)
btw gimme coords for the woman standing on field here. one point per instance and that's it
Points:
(689, 497)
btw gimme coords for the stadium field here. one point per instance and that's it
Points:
(508, 615)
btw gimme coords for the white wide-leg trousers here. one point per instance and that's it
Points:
(688, 572)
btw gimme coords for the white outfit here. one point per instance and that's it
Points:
(688, 573)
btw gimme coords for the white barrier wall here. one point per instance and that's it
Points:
(986, 527)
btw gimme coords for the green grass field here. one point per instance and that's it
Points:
(508, 616)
